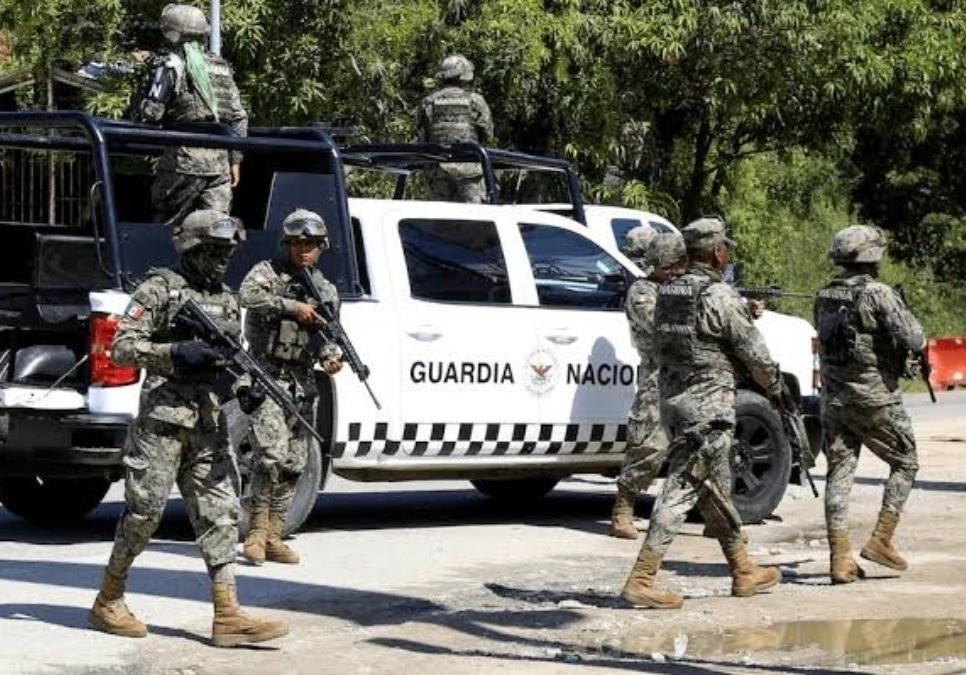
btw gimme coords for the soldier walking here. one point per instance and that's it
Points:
(281, 326)
(455, 114)
(662, 257)
(865, 334)
(191, 86)
(179, 435)
(703, 330)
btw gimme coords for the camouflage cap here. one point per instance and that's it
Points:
(704, 234)
(857, 244)
(302, 224)
(207, 226)
(455, 67)
(183, 21)
(637, 241)
(667, 248)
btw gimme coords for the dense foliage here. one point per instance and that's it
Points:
(789, 117)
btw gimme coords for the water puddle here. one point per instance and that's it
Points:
(861, 641)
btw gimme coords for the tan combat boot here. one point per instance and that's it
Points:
(254, 548)
(639, 588)
(746, 577)
(110, 614)
(879, 548)
(842, 566)
(233, 627)
(277, 550)
(622, 515)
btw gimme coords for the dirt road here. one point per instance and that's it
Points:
(432, 577)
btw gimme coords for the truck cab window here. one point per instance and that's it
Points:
(572, 271)
(455, 261)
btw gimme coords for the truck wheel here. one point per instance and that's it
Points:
(761, 458)
(515, 490)
(52, 501)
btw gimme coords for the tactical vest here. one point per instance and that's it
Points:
(678, 340)
(450, 113)
(222, 306)
(284, 340)
(838, 323)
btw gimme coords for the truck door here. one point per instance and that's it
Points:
(580, 290)
(464, 341)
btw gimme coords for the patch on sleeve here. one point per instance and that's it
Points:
(134, 311)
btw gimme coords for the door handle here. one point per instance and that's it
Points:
(562, 338)
(425, 333)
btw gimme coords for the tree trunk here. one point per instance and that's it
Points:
(692, 202)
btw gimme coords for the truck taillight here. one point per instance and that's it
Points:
(816, 366)
(104, 372)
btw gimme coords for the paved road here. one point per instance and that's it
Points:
(432, 575)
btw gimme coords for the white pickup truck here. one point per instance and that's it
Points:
(494, 333)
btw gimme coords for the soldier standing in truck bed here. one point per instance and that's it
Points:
(454, 114)
(191, 86)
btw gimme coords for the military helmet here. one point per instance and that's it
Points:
(455, 67)
(305, 225)
(705, 233)
(179, 22)
(857, 244)
(637, 242)
(207, 226)
(667, 248)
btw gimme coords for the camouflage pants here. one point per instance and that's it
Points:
(887, 432)
(158, 455)
(447, 187)
(647, 444)
(695, 455)
(281, 448)
(175, 195)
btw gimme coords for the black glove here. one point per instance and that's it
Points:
(250, 398)
(193, 356)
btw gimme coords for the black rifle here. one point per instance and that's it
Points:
(771, 293)
(200, 325)
(333, 331)
(922, 356)
(796, 433)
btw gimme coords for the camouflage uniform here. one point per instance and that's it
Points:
(646, 438)
(454, 114)
(191, 178)
(704, 333)
(179, 435)
(269, 293)
(865, 334)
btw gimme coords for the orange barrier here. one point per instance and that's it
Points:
(947, 356)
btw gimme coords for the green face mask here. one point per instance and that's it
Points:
(197, 67)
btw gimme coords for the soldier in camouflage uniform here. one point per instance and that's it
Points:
(703, 332)
(279, 326)
(454, 114)
(191, 86)
(866, 333)
(179, 435)
(661, 257)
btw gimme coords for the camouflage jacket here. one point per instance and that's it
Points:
(730, 344)
(171, 98)
(886, 331)
(144, 339)
(639, 308)
(270, 292)
(456, 115)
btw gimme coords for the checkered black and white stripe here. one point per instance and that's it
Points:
(475, 438)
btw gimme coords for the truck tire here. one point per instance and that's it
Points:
(761, 458)
(50, 501)
(515, 490)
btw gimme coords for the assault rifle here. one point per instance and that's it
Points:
(200, 325)
(922, 356)
(333, 331)
(796, 433)
(771, 293)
